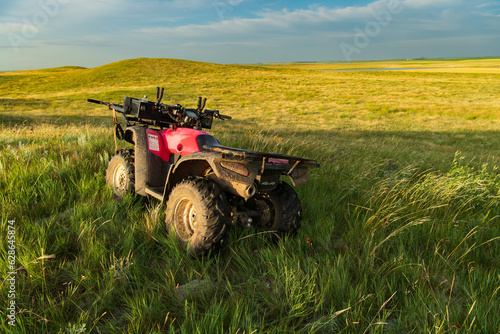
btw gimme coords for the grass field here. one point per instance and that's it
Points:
(403, 215)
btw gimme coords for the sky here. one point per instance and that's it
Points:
(51, 33)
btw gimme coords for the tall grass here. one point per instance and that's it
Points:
(414, 252)
(400, 233)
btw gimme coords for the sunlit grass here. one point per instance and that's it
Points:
(403, 230)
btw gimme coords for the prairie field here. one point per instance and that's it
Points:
(402, 217)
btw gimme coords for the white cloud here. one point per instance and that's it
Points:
(287, 22)
(6, 28)
(159, 28)
(429, 3)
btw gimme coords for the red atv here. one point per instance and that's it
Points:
(207, 187)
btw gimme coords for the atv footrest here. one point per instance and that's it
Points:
(155, 192)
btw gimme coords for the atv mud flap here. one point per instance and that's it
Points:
(298, 174)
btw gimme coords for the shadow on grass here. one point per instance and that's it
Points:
(33, 120)
(121, 252)
(32, 103)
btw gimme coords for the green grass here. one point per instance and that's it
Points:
(403, 214)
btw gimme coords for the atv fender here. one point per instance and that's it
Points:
(210, 165)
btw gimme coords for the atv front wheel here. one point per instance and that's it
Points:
(197, 213)
(120, 172)
(280, 210)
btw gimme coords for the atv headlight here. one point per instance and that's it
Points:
(235, 167)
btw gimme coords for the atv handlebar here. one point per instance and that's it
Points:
(113, 106)
(163, 115)
(95, 101)
(224, 117)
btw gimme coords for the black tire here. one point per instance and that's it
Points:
(281, 211)
(120, 172)
(198, 215)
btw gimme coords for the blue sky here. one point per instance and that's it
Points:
(50, 33)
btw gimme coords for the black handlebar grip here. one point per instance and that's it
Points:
(93, 101)
(225, 117)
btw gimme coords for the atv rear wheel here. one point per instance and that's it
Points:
(198, 214)
(280, 210)
(120, 172)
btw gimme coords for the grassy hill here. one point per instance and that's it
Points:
(403, 214)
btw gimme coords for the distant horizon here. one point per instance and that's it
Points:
(36, 34)
(282, 62)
